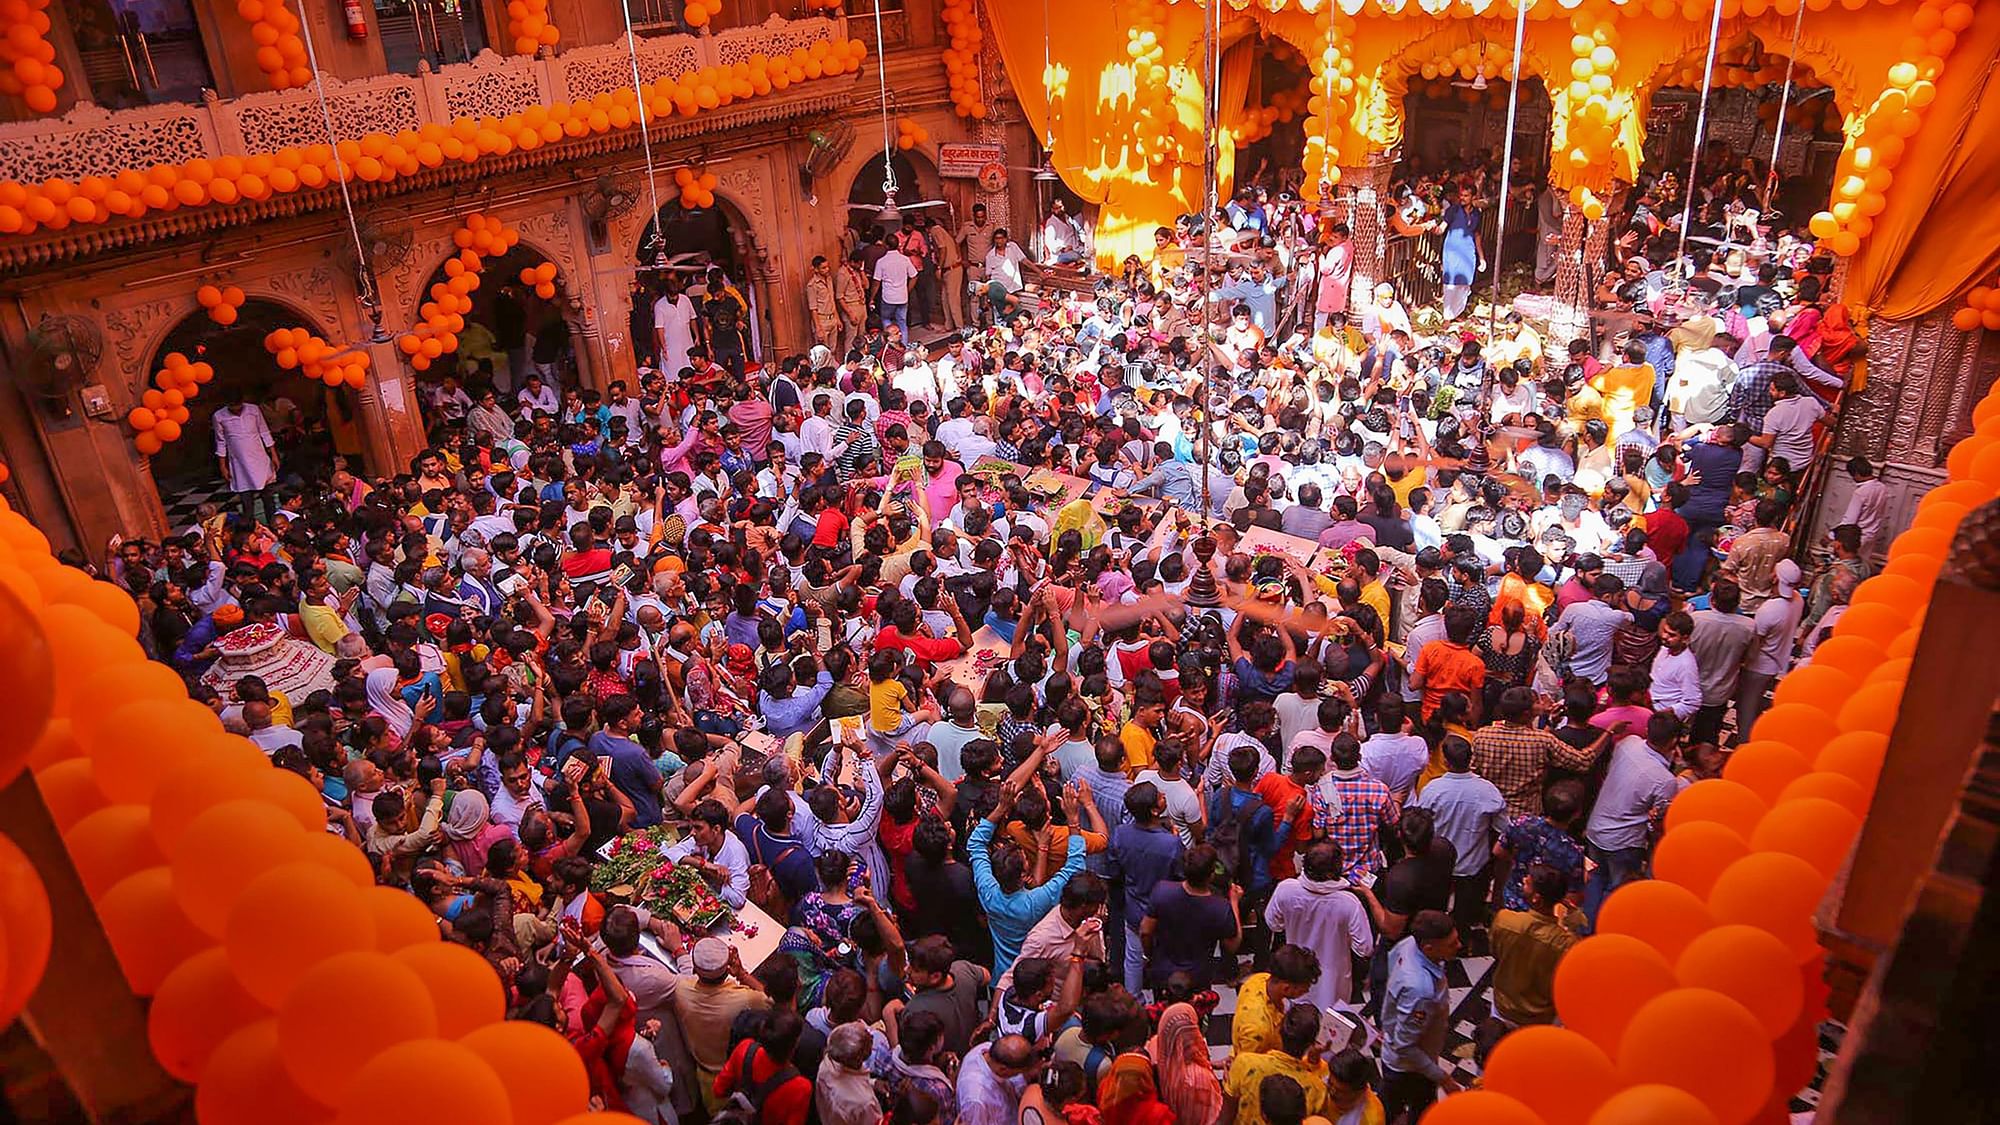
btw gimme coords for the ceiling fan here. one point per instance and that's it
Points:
(1478, 76)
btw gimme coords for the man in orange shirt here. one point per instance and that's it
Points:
(1450, 665)
(1300, 819)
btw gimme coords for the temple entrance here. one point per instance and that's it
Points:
(309, 422)
(684, 245)
(510, 331)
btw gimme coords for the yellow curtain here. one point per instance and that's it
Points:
(1239, 62)
(1940, 234)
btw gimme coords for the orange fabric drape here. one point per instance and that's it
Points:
(1940, 234)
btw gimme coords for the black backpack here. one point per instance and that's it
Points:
(746, 1102)
(1228, 836)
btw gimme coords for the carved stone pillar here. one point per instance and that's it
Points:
(1582, 251)
(1365, 189)
(392, 429)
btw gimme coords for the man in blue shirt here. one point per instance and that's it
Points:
(632, 769)
(1416, 1012)
(1012, 911)
(787, 709)
(1174, 478)
(1145, 852)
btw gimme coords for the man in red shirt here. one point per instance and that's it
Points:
(761, 1070)
(903, 632)
(1289, 797)
(1666, 531)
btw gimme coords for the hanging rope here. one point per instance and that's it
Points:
(645, 132)
(1506, 183)
(1211, 176)
(1700, 134)
(888, 139)
(1048, 130)
(363, 274)
(1784, 101)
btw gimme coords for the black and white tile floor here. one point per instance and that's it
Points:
(1470, 984)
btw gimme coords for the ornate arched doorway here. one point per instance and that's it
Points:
(917, 192)
(310, 422)
(683, 246)
(511, 329)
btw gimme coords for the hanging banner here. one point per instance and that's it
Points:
(962, 160)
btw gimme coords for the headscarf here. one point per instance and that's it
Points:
(1187, 1074)
(386, 701)
(1127, 1095)
(466, 816)
(1078, 515)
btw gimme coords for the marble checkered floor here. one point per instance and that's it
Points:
(1470, 984)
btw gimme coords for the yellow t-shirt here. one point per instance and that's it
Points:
(1247, 1073)
(1625, 389)
(1139, 743)
(885, 704)
(1407, 483)
(1255, 1025)
(1376, 597)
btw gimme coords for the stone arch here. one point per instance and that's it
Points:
(179, 316)
(1390, 82)
(1774, 34)
(744, 261)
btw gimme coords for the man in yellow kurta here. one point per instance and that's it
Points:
(1295, 1058)
(1260, 1003)
(1625, 388)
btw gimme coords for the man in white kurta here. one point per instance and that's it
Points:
(673, 329)
(245, 451)
(1324, 913)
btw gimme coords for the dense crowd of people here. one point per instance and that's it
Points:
(1354, 650)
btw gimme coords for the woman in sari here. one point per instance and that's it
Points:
(1187, 1074)
(1128, 1095)
(469, 834)
(386, 701)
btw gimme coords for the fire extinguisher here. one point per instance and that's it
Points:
(357, 19)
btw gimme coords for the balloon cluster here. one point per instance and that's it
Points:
(824, 5)
(162, 410)
(528, 26)
(28, 67)
(1981, 310)
(961, 58)
(1716, 957)
(225, 900)
(541, 278)
(281, 53)
(1258, 122)
(1155, 116)
(1591, 122)
(56, 203)
(442, 318)
(1868, 163)
(1825, 120)
(316, 359)
(1332, 88)
(697, 188)
(699, 13)
(910, 134)
(224, 303)
(1468, 63)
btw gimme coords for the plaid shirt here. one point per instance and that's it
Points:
(1366, 807)
(1515, 758)
(1750, 397)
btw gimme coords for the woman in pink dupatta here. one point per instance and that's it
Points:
(1187, 1076)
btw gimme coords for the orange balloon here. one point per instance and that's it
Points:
(1853, 655)
(1553, 1071)
(1919, 568)
(70, 791)
(1695, 853)
(160, 737)
(1872, 709)
(57, 744)
(289, 919)
(1857, 755)
(225, 848)
(1677, 1038)
(1895, 670)
(1726, 802)
(1772, 891)
(112, 605)
(1750, 967)
(1841, 790)
(1817, 830)
(1878, 623)
(225, 769)
(27, 681)
(285, 790)
(467, 992)
(400, 919)
(542, 1072)
(196, 1007)
(80, 643)
(1816, 685)
(25, 930)
(1931, 541)
(245, 1082)
(1970, 493)
(1603, 979)
(1653, 1105)
(1888, 589)
(104, 691)
(149, 932)
(1481, 1107)
(337, 855)
(423, 1082)
(1765, 768)
(1664, 915)
(110, 844)
(325, 1035)
(1804, 727)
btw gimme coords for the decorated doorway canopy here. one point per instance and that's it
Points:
(1122, 98)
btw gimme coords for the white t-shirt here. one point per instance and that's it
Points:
(894, 271)
(1183, 807)
(1004, 266)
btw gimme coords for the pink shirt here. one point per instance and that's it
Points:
(1634, 716)
(942, 492)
